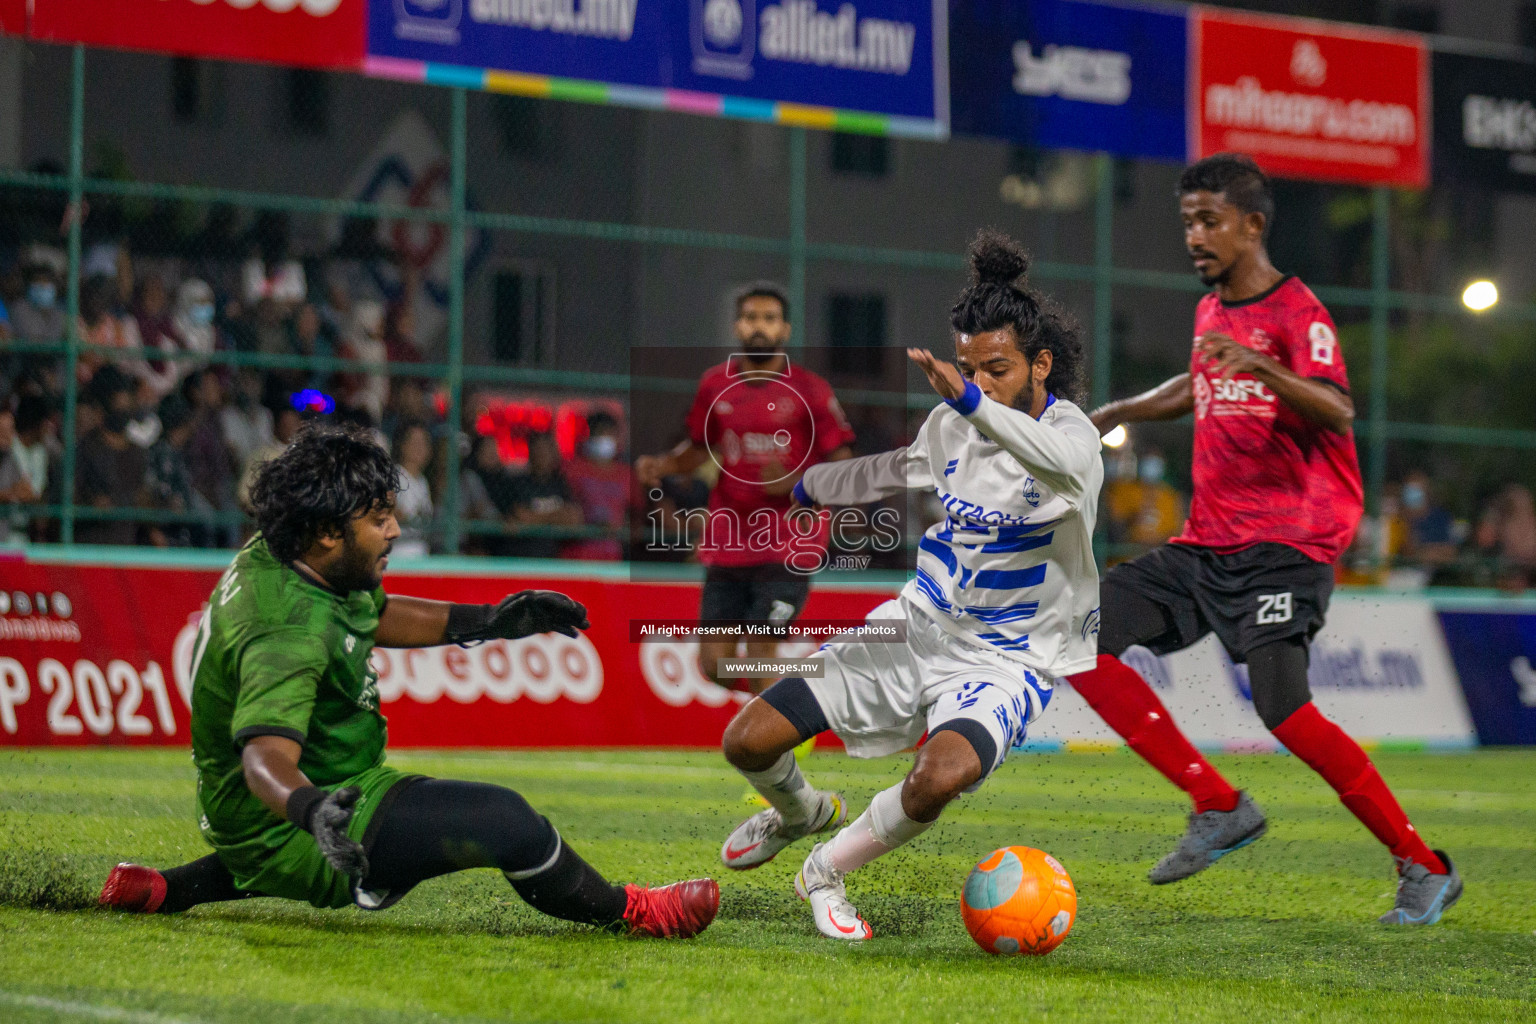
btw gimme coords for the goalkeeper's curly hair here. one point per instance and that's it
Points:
(327, 476)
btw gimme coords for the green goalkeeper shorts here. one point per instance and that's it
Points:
(284, 860)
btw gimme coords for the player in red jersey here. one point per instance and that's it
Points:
(1277, 496)
(764, 422)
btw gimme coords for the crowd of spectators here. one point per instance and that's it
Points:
(1413, 539)
(164, 426)
(167, 433)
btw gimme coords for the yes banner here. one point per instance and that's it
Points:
(1485, 121)
(1064, 73)
(1311, 99)
(757, 59)
(313, 33)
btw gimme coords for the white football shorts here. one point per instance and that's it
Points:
(880, 698)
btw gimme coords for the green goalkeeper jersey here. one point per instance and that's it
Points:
(279, 655)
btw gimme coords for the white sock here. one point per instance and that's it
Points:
(786, 790)
(880, 829)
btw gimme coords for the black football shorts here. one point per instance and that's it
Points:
(768, 593)
(1249, 598)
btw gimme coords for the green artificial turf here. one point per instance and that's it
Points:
(1283, 930)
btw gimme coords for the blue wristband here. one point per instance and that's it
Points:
(968, 400)
(800, 496)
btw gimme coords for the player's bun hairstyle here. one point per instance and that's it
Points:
(763, 290)
(325, 477)
(1235, 176)
(999, 296)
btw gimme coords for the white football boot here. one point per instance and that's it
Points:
(759, 839)
(821, 885)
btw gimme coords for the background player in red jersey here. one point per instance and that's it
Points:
(1277, 496)
(764, 422)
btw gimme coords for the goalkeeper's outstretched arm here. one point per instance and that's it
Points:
(419, 622)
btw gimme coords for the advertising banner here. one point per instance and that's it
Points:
(1311, 99)
(795, 61)
(310, 33)
(1380, 670)
(1495, 655)
(1071, 74)
(1485, 121)
(103, 655)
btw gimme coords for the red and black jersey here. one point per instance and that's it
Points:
(758, 428)
(1263, 473)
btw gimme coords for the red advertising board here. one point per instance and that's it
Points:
(1311, 99)
(102, 655)
(13, 17)
(311, 33)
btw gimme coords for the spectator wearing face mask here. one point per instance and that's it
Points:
(193, 320)
(109, 469)
(1142, 507)
(604, 486)
(39, 317)
(1431, 532)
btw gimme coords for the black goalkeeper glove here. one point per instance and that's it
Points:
(518, 615)
(326, 817)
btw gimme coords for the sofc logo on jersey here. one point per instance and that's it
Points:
(1241, 390)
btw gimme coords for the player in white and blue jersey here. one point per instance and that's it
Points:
(1004, 601)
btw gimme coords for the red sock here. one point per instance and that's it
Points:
(1339, 760)
(1124, 700)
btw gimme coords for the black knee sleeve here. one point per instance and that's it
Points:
(1127, 618)
(792, 698)
(1277, 675)
(437, 825)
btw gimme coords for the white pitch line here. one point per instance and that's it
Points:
(70, 1006)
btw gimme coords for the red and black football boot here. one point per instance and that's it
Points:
(677, 911)
(133, 888)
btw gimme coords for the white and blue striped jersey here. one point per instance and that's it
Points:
(1011, 565)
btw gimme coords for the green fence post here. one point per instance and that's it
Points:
(1103, 270)
(72, 294)
(1381, 282)
(797, 244)
(456, 285)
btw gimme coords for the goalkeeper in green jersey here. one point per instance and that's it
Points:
(293, 792)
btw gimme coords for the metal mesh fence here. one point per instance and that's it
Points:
(195, 257)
